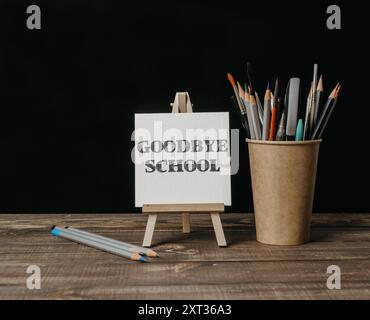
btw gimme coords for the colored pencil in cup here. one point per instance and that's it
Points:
(259, 109)
(65, 233)
(313, 98)
(236, 93)
(280, 135)
(255, 120)
(326, 114)
(306, 127)
(242, 114)
(249, 113)
(292, 115)
(319, 92)
(299, 131)
(266, 114)
(275, 102)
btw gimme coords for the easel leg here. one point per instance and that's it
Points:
(186, 222)
(152, 218)
(217, 225)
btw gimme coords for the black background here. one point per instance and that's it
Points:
(68, 92)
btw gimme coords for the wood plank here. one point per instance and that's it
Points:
(137, 221)
(186, 222)
(209, 281)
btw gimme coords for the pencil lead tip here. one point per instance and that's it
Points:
(332, 94)
(267, 93)
(337, 91)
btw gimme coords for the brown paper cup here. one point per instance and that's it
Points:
(283, 183)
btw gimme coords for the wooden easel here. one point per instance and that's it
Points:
(182, 104)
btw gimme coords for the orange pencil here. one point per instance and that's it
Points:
(273, 123)
(274, 111)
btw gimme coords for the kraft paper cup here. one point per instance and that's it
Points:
(283, 183)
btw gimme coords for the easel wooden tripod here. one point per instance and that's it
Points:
(182, 104)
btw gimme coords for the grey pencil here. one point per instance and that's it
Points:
(119, 244)
(245, 102)
(249, 118)
(319, 92)
(293, 101)
(307, 116)
(255, 120)
(260, 109)
(313, 99)
(64, 233)
(280, 135)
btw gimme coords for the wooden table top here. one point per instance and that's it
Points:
(191, 266)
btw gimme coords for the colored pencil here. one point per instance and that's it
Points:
(280, 135)
(65, 233)
(274, 111)
(245, 101)
(319, 92)
(119, 244)
(255, 120)
(259, 108)
(313, 98)
(293, 102)
(306, 129)
(249, 113)
(236, 93)
(266, 114)
(243, 117)
(326, 114)
(299, 131)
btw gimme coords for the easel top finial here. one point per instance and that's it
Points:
(182, 103)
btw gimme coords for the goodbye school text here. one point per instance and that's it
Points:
(182, 146)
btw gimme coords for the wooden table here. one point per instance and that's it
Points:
(191, 266)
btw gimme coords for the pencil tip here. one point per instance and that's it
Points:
(333, 93)
(320, 86)
(337, 91)
(152, 253)
(142, 259)
(231, 79)
(267, 93)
